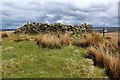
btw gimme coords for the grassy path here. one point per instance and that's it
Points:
(25, 59)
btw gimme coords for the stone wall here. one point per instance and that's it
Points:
(35, 27)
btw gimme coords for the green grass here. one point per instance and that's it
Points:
(26, 60)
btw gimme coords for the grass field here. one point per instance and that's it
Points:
(26, 60)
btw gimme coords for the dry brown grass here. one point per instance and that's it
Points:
(65, 39)
(4, 34)
(113, 35)
(96, 55)
(19, 38)
(52, 41)
(81, 43)
(48, 40)
(96, 38)
(107, 37)
(110, 62)
(105, 54)
(88, 40)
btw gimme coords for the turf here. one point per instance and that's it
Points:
(26, 60)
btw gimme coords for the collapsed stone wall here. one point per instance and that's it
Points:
(35, 27)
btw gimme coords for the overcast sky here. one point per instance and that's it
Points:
(99, 13)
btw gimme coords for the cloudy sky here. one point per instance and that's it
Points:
(99, 13)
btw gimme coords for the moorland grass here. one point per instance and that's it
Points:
(88, 40)
(26, 60)
(19, 38)
(52, 41)
(67, 61)
(105, 54)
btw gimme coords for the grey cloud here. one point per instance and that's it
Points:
(15, 14)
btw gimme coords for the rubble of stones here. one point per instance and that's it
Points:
(35, 27)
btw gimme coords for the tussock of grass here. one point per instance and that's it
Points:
(4, 34)
(81, 43)
(96, 37)
(19, 38)
(112, 64)
(48, 40)
(65, 39)
(88, 40)
(106, 55)
(52, 41)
